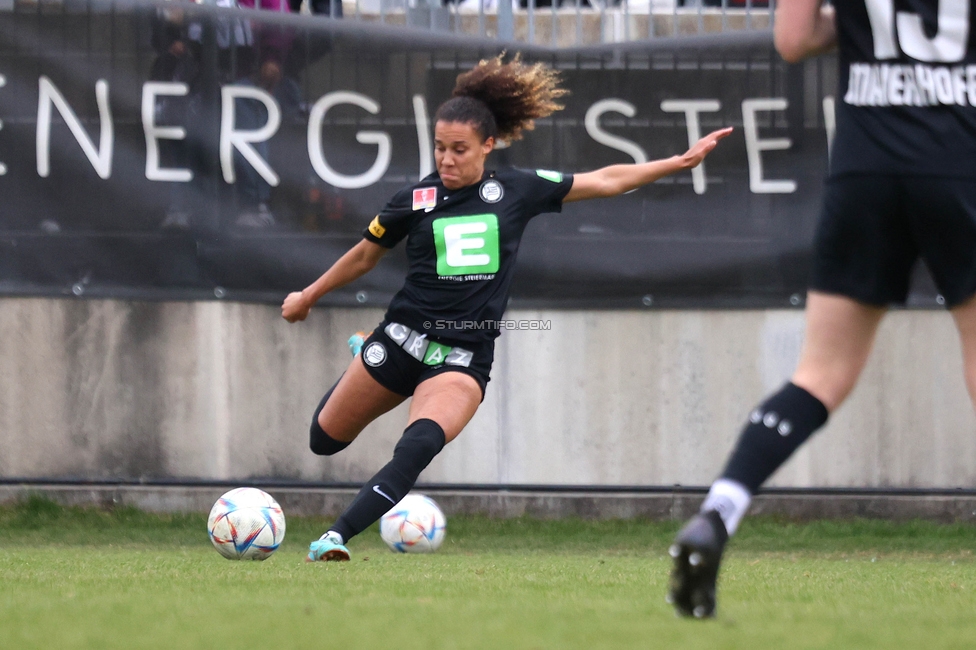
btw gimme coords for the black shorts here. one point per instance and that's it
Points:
(874, 227)
(395, 369)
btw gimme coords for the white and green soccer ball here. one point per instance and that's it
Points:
(415, 525)
(246, 524)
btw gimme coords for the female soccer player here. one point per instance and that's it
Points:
(902, 184)
(463, 225)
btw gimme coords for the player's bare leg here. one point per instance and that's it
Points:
(356, 400)
(442, 405)
(965, 317)
(450, 399)
(839, 336)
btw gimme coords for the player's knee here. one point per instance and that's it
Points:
(322, 443)
(831, 385)
(421, 441)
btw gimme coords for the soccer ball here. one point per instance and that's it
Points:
(246, 524)
(415, 525)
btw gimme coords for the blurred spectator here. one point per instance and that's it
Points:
(331, 8)
(729, 4)
(177, 44)
(266, 69)
(547, 4)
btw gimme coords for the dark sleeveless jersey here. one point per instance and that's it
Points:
(907, 100)
(461, 245)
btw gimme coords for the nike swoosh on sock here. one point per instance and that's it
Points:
(383, 494)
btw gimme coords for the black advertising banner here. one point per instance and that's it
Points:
(173, 151)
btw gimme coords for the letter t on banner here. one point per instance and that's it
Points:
(691, 108)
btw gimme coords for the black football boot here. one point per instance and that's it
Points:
(697, 553)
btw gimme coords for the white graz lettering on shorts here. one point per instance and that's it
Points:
(397, 332)
(459, 357)
(416, 346)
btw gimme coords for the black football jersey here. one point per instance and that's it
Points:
(907, 100)
(461, 246)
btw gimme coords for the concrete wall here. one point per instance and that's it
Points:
(108, 389)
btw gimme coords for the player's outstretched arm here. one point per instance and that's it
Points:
(803, 28)
(618, 179)
(358, 261)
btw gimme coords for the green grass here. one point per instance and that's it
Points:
(72, 578)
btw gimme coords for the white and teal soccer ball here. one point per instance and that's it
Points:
(415, 525)
(246, 524)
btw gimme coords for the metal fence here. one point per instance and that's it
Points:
(559, 23)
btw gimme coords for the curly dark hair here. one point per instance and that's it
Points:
(503, 99)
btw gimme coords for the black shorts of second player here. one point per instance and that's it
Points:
(874, 228)
(400, 372)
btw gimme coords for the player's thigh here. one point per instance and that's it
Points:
(864, 247)
(450, 399)
(965, 316)
(943, 215)
(839, 334)
(357, 400)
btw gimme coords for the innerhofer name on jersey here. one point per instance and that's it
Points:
(908, 88)
(461, 247)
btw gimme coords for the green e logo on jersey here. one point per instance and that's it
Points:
(466, 245)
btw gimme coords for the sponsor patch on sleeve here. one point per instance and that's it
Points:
(425, 197)
(375, 229)
(555, 177)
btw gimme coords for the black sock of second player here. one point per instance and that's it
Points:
(775, 430)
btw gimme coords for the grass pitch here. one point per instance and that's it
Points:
(74, 578)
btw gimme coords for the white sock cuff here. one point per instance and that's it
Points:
(730, 499)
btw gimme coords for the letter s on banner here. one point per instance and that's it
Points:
(381, 139)
(592, 124)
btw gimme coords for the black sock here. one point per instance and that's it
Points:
(421, 441)
(775, 430)
(319, 441)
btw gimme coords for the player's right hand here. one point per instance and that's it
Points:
(295, 308)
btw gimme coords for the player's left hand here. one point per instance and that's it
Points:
(694, 156)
